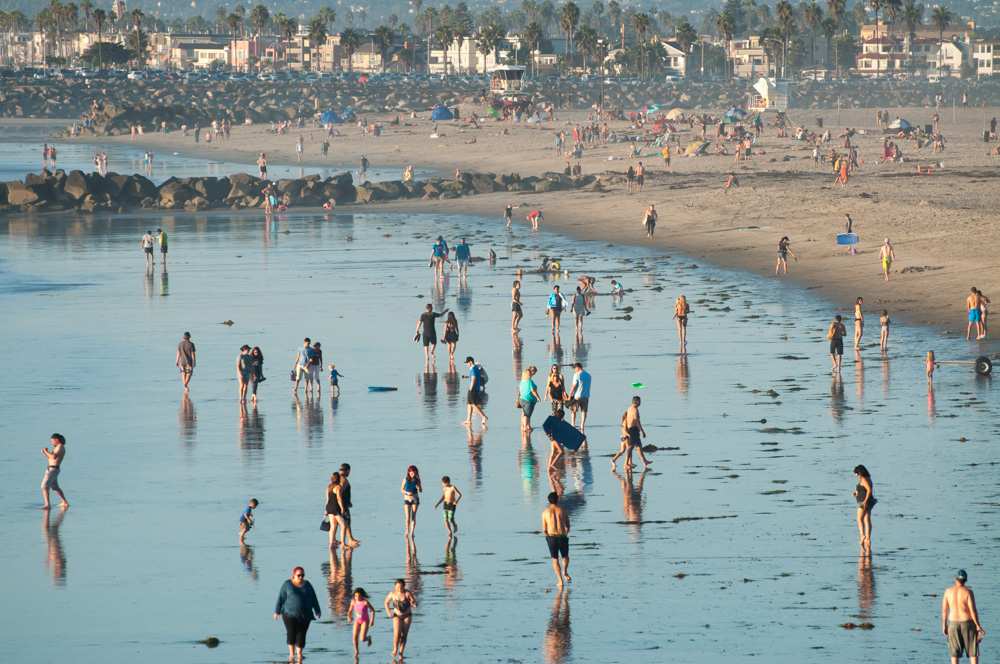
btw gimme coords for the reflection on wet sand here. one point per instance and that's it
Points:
(308, 418)
(451, 572)
(517, 346)
(187, 420)
(452, 380)
(859, 377)
(632, 499)
(55, 558)
(866, 587)
(555, 350)
(837, 402)
(427, 387)
(581, 351)
(475, 443)
(683, 377)
(558, 644)
(527, 461)
(571, 501)
(246, 557)
(164, 283)
(885, 376)
(413, 576)
(931, 403)
(339, 581)
(251, 431)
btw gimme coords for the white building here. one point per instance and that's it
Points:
(675, 60)
(949, 58)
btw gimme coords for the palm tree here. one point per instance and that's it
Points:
(587, 41)
(836, 10)
(828, 27)
(533, 36)
(876, 6)
(383, 40)
(233, 22)
(445, 37)
(941, 18)
(750, 7)
(259, 16)
(87, 7)
(100, 16)
(317, 37)
(569, 16)
(685, 35)
(328, 16)
(892, 10)
(615, 16)
(641, 22)
(220, 18)
(913, 17)
(137, 17)
(724, 22)
(488, 40)
(786, 21)
(813, 16)
(351, 40)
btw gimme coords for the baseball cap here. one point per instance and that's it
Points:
(961, 575)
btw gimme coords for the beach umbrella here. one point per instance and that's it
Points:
(674, 114)
(695, 148)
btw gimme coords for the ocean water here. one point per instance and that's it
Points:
(739, 542)
(22, 153)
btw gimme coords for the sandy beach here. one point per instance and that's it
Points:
(941, 225)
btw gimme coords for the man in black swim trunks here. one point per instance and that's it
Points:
(555, 527)
(425, 331)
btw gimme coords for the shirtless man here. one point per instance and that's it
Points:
(146, 242)
(555, 527)
(186, 358)
(634, 428)
(960, 620)
(515, 306)
(886, 256)
(50, 481)
(972, 303)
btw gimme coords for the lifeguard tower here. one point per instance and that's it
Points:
(505, 84)
(769, 94)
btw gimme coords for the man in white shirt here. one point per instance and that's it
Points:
(147, 247)
(579, 393)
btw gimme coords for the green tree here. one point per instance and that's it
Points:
(461, 28)
(383, 41)
(488, 40)
(233, 22)
(569, 16)
(913, 18)
(329, 16)
(533, 35)
(685, 35)
(641, 23)
(812, 15)
(836, 11)
(317, 38)
(351, 40)
(259, 16)
(587, 41)
(786, 22)
(726, 25)
(941, 18)
(100, 18)
(100, 52)
(138, 44)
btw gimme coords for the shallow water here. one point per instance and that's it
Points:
(21, 153)
(739, 543)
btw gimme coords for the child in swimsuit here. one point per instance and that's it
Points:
(335, 377)
(883, 341)
(363, 618)
(450, 495)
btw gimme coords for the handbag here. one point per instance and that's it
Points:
(292, 375)
(325, 525)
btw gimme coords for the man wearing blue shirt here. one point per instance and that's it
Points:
(579, 393)
(474, 402)
(463, 255)
(301, 369)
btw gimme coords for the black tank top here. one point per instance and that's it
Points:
(332, 506)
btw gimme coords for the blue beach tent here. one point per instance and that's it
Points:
(441, 113)
(330, 117)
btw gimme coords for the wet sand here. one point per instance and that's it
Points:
(740, 541)
(942, 226)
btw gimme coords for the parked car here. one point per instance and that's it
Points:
(137, 75)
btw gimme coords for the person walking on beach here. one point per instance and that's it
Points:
(580, 310)
(299, 147)
(784, 251)
(186, 359)
(972, 303)
(262, 166)
(345, 504)
(146, 242)
(508, 216)
(634, 429)
(450, 495)
(864, 495)
(451, 335)
(555, 388)
(960, 620)
(246, 519)
(161, 238)
(883, 337)
(477, 384)
(649, 218)
(426, 332)
(316, 367)
(640, 176)
(50, 481)
(555, 306)
(411, 488)
(301, 368)
(362, 616)
(555, 528)
(681, 311)
(463, 256)
(886, 256)
(256, 371)
(579, 396)
(859, 323)
(516, 312)
(439, 256)
(527, 397)
(399, 605)
(244, 371)
(835, 335)
(297, 606)
(984, 303)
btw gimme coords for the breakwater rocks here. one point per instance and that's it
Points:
(89, 192)
(112, 108)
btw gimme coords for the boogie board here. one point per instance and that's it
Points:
(381, 388)
(563, 433)
(847, 238)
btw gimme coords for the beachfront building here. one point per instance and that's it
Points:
(769, 94)
(674, 59)
(985, 57)
(749, 58)
(950, 59)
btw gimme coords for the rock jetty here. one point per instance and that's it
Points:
(89, 192)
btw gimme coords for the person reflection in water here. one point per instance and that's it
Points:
(558, 635)
(866, 586)
(55, 556)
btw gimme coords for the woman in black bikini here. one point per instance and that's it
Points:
(515, 306)
(335, 507)
(451, 335)
(555, 388)
(399, 606)
(863, 493)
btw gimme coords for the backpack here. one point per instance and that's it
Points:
(483, 376)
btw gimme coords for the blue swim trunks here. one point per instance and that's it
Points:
(974, 315)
